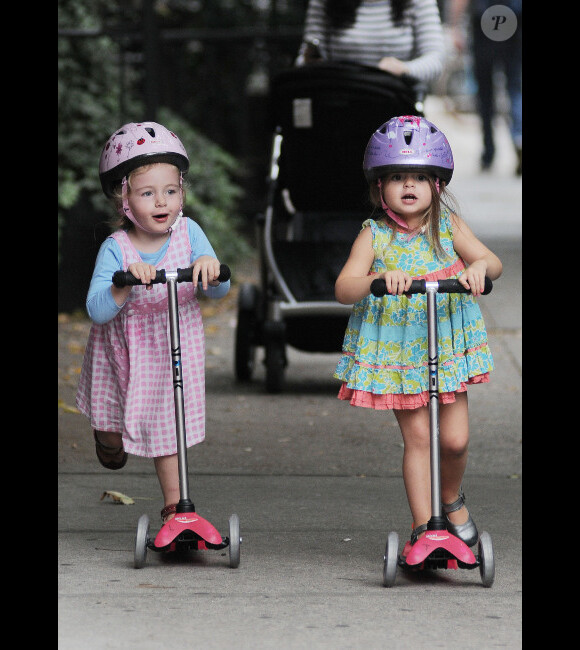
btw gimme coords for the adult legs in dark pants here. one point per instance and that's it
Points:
(489, 56)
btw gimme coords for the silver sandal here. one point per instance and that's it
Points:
(466, 532)
(416, 532)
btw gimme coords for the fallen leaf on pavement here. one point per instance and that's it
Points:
(118, 497)
(67, 408)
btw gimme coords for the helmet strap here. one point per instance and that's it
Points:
(394, 216)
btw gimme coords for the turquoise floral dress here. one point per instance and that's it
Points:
(384, 355)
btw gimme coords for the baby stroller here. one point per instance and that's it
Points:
(321, 116)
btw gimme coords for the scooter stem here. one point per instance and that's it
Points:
(437, 522)
(178, 391)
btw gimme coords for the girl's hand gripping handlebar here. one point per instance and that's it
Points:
(379, 287)
(126, 278)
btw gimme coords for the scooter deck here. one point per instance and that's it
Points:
(437, 549)
(188, 529)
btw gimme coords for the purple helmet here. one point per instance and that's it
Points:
(407, 143)
(137, 144)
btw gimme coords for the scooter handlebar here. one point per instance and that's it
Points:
(379, 287)
(126, 278)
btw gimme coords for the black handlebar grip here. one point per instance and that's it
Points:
(127, 279)
(186, 275)
(379, 287)
(453, 286)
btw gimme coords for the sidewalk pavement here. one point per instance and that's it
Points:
(317, 486)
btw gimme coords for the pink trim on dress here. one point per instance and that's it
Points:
(401, 400)
(445, 273)
(441, 274)
(374, 366)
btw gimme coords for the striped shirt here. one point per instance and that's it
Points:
(417, 40)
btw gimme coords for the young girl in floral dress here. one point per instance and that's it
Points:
(408, 163)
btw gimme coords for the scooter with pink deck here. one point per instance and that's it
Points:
(437, 548)
(187, 530)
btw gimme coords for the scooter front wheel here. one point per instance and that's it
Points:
(141, 539)
(486, 560)
(234, 547)
(391, 560)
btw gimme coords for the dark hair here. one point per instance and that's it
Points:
(341, 14)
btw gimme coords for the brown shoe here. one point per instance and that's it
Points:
(110, 457)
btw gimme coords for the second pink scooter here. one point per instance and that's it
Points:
(438, 548)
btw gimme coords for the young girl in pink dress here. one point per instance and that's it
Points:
(126, 384)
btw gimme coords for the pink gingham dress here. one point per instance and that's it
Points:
(126, 382)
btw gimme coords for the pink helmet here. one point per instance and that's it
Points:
(137, 144)
(408, 143)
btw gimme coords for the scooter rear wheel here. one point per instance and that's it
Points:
(391, 560)
(141, 539)
(234, 547)
(486, 560)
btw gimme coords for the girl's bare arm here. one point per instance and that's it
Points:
(480, 259)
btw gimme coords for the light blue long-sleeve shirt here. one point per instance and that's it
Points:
(101, 305)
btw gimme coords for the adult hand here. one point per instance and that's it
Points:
(393, 65)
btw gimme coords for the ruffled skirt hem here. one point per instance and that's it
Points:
(402, 400)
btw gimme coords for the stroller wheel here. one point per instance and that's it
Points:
(391, 560)
(275, 364)
(235, 540)
(486, 561)
(141, 539)
(245, 351)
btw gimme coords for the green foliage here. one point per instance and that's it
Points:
(211, 195)
(88, 104)
(90, 107)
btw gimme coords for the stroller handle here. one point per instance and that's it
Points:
(126, 278)
(379, 287)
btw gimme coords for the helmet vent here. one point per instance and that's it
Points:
(408, 135)
(433, 129)
(150, 131)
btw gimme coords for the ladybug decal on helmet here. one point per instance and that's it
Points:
(155, 143)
